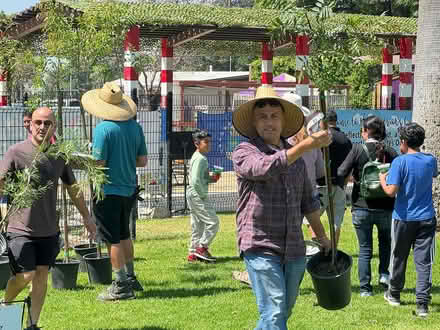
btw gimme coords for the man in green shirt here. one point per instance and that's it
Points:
(204, 220)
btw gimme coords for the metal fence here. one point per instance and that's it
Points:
(164, 179)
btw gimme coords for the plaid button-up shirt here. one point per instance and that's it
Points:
(273, 197)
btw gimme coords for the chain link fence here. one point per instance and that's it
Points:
(189, 112)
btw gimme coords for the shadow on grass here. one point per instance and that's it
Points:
(143, 328)
(377, 289)
(184, 292)
(222, 260)
(434, 290)
(198, 279)
(140, 259)
(306, 291)
(163, 237)
(79, 288)
(150, 283)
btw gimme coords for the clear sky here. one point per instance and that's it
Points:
(15, 6)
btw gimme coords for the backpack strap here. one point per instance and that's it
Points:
(366, 150)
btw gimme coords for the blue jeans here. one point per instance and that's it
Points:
(276, 286)
(363, 221)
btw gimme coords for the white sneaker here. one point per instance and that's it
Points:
(384, 280)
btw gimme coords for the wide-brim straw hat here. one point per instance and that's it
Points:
(243, 117)
(109, 103)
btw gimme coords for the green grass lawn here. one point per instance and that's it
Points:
(199, 296)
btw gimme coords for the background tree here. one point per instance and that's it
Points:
(281, 64)
(403, 8)
(362, 80)
(427, 80)
(335, 50)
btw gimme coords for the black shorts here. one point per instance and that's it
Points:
(112, 218)
(26, 253)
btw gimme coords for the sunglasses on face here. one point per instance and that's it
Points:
(46, 123)
(270, 102)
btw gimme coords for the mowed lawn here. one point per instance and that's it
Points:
(200, 296)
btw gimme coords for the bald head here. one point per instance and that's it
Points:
(44, 111)
(43, 125)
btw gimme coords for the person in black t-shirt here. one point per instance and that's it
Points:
(367, 213)
(338, 151)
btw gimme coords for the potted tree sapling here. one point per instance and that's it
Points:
(75, 154)
(337, 43)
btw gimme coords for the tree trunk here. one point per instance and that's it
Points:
(427, 80)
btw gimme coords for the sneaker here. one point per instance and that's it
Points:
(203, 254)
(117, 291)
(422, 309)
(366, 294)
(192, 258)
(210, 255)
(135, 285)
(391, 300)
(384, 280)
(32, 327)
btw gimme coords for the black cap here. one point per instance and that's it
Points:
(332, 116)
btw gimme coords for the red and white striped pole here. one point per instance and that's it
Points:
(302, 81)
(166, 75)
(406, 80)
(266, 65)
(387, 78)
(131, 47)
(3, 88)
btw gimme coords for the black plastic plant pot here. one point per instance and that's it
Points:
(80, 251)
(5, 272)
(332, 283)
(99, 270)
(64, 274)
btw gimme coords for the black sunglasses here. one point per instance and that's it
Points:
(46, 123)
(270, 102)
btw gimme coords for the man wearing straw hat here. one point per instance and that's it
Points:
(274, 194)
(33, 232)
(119, 145)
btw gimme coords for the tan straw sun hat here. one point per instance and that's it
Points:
(243, 117)
(109, 103)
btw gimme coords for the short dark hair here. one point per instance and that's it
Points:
(200, 135)
(331, 116)
(27, 113)
(413, 134)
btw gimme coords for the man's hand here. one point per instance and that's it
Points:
(90, 226)
(325, 243)
(320, 139)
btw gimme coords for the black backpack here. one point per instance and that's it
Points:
(370, 184)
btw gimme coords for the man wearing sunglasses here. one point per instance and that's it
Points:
(274, 194)
(33, 232)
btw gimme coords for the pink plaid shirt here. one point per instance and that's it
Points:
(273, 197)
